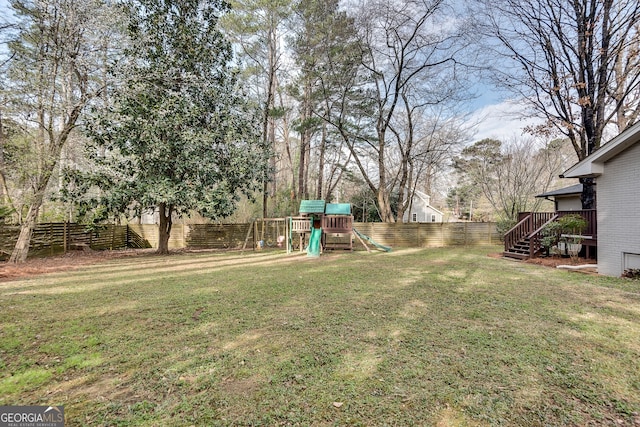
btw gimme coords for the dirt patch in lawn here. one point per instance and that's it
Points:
(66, 262)
(554, 262)
(75, 259)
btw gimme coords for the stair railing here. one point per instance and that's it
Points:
(535, 239)
(529, 225)
(517, 232)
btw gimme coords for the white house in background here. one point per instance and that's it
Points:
(616, 169)
(420, 210)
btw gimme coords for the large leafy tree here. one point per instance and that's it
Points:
(178, 137)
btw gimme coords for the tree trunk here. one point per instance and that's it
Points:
(3, 182)
(321, 155)
(406, 168)
(21, 249)
(164, 231)
(5, 198)
(588, 196)
(386, 215)
(269, 144)
(268, 126)
(305, 143)
(384, 203)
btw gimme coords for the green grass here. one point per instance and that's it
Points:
(445, 337)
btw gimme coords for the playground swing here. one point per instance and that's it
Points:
(268, 233)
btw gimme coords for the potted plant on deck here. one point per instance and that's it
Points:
(572, 226)
(550, 238)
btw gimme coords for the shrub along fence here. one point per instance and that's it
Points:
(54, 238)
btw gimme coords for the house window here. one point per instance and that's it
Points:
(631, 261)
(414, 217)
(433, 217)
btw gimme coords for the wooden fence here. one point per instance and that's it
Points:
(201, 236)
(53, 238)
(431, 234)
(235, 236)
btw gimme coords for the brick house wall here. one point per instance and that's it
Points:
(618, 190)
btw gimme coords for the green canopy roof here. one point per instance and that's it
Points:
(338, 209)
(312, 206)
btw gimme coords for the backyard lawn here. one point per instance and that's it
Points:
(448, 337)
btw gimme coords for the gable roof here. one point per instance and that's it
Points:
(593, 165)
(426, 199)
(566, 191)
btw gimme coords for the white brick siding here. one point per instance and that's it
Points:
(618, 205)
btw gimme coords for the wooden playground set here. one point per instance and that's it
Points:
(324, 226)
(318, 227)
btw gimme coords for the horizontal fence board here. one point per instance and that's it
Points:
(53, 238)
(217, 236)
(147, 232)
(431, 234)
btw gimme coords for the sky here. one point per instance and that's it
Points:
(500, 120)
(3, 8)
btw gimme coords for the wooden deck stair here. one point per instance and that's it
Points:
(523, 240)
(519, 250)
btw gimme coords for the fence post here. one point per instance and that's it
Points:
(394, 231)
(64, 237)
(466, 234)
(255, 233)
